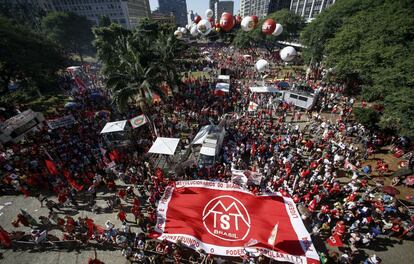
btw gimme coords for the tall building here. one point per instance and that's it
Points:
(127, 13)
(222, 6)
(212, 5)
(262, 8)
(309, 8)
(162, 18)
(177, 7)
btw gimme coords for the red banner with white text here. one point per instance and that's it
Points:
(224, 219)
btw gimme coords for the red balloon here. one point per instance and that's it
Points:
(217, 25)
(211, 20)
(269, 26)
(238, 19)
(255, 20)
(197, 19)
(226, 21)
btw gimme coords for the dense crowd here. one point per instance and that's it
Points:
(302, 154)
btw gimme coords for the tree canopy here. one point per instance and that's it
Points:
(370, 47)
(136, 62)
(26, 57)
(69, 30)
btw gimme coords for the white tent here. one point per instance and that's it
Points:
(114, 126)
(225, 87)
(201, 135)
(263, 89)
(164, 145)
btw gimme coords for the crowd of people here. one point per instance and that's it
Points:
(316, 157)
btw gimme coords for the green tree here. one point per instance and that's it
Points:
(27, 57)
(71, 31)
(136, 62)
(28, 13)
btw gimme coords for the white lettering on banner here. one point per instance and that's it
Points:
(225, 217)
(292, 209)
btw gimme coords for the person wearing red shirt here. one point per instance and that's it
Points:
(122, 215)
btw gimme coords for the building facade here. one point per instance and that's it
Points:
(222, 6)
(212, 5)
(163, 18)
(177, 7)
(127, 13)
(262, 8)
(309, 8)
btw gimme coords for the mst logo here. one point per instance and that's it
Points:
(226, 217)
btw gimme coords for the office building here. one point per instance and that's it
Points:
(127, 13)
(163, 18)
(212, 6)
(221, 7)
(261, 8)
(309, 8)
(177, 7)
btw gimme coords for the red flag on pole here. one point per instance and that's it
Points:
(335, 241)
(114, 155)
(51, 167)
(72, 182)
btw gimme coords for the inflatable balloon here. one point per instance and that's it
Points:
(288, 53)
(226, 21)
(238, 19)
(209, 13)
(247, 24)
(178, 34)
(188, 27)
(278, 30)
(204, 27)
(197, 19)
(255, 20)
(193, 30)
(217, 25)
(269, 26)
(211, 20)
(261, 65)
(183, 30)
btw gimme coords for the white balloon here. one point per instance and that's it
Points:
(288, 53)
(209, 13)
(193, 30)
(187, 27)
(178, 34)
(247, 23)
(261, 65)
(204, 27)
(278, 30)
(183, 30)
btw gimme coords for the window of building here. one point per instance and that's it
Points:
(302, 98)
(294, 96)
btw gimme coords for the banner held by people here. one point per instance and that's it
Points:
(222, 218)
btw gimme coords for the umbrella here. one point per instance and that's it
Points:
(71, 105)
(283, 85)
(95, 95)
(391, 190)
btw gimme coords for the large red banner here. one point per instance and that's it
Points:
(224, 219)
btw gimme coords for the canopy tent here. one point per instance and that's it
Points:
(201, 135)
(224, 77)
(263, 89)
(114, 126)
(164, 145)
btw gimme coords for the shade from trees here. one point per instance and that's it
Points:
(370, 47)
(27, 58)
(70, 31)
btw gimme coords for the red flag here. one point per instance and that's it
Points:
(72, 182)
(114, 155)
(335, 241)
(5, 240)
(51, 167)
